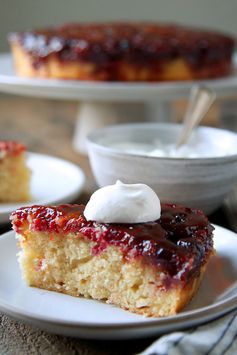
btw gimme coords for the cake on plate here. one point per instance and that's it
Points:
(152, 268)
(126, 51)
(14, 173)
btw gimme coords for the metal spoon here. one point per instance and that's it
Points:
(200, 101)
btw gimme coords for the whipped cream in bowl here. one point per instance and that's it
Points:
(123, 203)
(201, 144)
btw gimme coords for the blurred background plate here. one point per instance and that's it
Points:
(53, 181)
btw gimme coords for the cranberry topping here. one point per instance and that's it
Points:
(179, 241)
(141, 43)
(11, 147)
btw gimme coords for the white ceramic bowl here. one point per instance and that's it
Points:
(194, 182)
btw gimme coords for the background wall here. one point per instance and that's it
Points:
(24, 14)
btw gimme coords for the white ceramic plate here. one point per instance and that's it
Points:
(53, 181)
(106, 91)
(79, 317)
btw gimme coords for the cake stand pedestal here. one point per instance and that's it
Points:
(96, 114)
(103, 103)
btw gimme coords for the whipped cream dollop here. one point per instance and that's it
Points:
(123, 203)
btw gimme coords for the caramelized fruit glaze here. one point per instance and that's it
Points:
(106, 44)
(11, 147)
(179, 242)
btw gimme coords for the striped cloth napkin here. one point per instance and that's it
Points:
(218, 337)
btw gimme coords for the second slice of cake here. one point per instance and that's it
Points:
(14, 173)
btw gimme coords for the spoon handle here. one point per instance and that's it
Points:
(200, 101)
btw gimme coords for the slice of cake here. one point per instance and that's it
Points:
(14, 174)
(152, 268)
(122, 51)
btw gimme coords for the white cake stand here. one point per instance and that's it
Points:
(103, 103)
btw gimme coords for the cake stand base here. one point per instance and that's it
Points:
(94, 114)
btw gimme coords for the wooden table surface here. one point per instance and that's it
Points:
(46, 126)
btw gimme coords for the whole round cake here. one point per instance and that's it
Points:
(128, 51)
